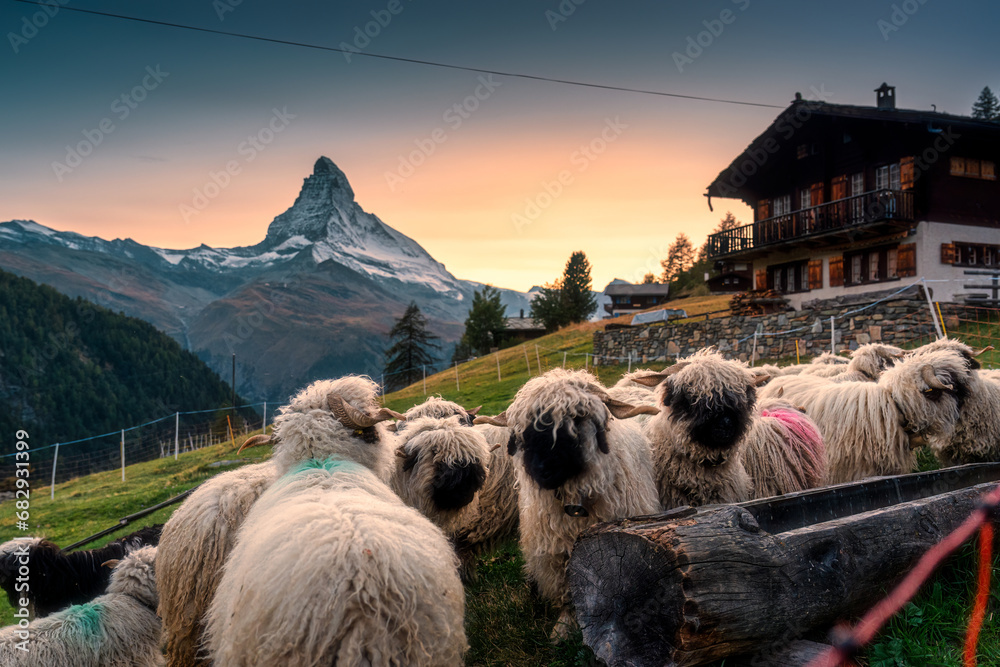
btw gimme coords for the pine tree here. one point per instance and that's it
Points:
(410, 350)
(486, 321)
(727, 223)
(548, 306)
(680, 257)
(578, 301)
(986, 107)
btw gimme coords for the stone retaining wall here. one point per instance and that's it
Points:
(903, 318)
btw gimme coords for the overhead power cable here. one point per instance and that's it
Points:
(416, 61)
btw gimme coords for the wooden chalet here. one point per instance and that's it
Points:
(627, 298)
(850, 199)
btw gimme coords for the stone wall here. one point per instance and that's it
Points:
(904, 317)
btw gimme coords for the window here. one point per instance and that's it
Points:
(788, 278)
(970, 254)
(887, 177)
(857, 204)
(805, 199)
(783, 205)
(874, 265)
(973, 168)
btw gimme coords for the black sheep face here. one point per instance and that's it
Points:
(455, 485)
(716, 420)
(552, 454)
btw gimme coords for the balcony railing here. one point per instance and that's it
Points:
(847, 213)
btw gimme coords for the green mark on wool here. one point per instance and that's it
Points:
(84, 620)
(330, 465)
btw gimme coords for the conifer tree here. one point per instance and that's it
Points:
(986, 106)
(410, 350)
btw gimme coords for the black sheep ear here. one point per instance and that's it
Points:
(512, 444)
(602, 440)
(409, 460)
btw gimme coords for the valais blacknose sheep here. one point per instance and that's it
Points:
(870, 428)
(707, 406)
(60, 578)
(868, 362)
(200, 535)
(117, 629)
(330, 566)
(579, 461)
(784, 450)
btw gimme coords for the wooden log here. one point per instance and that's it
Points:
(693, 586)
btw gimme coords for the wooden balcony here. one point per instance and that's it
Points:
(866, 215)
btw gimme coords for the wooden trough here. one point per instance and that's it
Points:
(692, 586)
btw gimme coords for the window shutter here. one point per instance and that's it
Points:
(763, 209)
(836, 271)
(817, 194)
(838, 188)
(906, 173)
(989, 170)
(947, 253)
(957, 166)
(906, 260)
(815, 274)
(761, 279)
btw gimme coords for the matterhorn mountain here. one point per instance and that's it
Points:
(315, 298)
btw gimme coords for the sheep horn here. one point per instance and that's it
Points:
(255, 441)
(401, 452)
(499, 420)
(760, 379)
(351, 417)
(653, 379)
(781, 391)
(622, 410)
(927, 373)
(113, 563)
(846, 352)
(495, 447)
(976, 352)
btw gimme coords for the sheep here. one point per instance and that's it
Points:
(870, 428)
(707, 405)
(575, 467)
(442, 467)
(331, 567)
(117, 629)
(784, 450)
(58, 579)
(437, 407)
(202, 532)
(629, 391)
(868, 362)
(977, 433)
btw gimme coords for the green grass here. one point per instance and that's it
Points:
(506, 621)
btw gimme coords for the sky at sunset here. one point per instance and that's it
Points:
(500, 189)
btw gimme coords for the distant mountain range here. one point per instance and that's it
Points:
(314, 299)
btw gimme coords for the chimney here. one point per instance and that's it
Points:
(522, 313)
(885, 96)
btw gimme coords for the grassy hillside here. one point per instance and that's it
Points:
(507, 623)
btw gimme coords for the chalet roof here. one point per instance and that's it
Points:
(800, 112)
(524, 324)
(656, 289)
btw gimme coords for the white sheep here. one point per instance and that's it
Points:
(200, 535)
(784, 450)
(707, 406)
(870, 428)
(579, 461)
(332, 568)
(117, 629)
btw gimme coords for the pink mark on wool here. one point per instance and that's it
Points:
(803, 429)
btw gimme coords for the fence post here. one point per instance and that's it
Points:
(539, 360)
(586, 361)
(629, 362)
(177, 435)
(457, 386)
(527, 361)
(753, 353)
(797, 351)
(930, 306)
(381, 389)
(424, 367)
(123, 455)
(833, 337)
(263, 429)
(54, 459)
(564, 360)
(497, 355)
